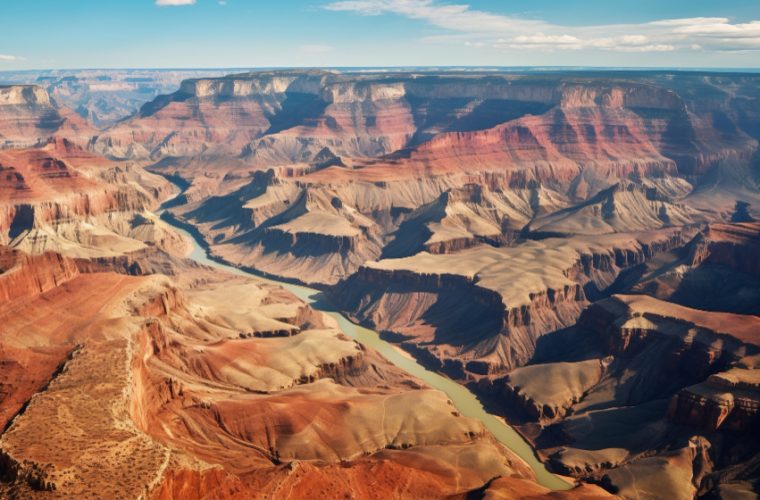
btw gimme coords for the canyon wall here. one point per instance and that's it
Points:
(576, 247)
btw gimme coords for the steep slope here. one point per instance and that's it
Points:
(468, 216)
(623, 207)
(23, 278)
(716, 271)
(486, 222)
(29, 117)
(59, 197)
(427, 301)
(227, 378)
(641, 391)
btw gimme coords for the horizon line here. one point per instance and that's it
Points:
(405, 67)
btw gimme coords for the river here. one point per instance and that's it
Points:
(465, 401)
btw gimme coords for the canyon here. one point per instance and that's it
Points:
(576, 249)
(104, 97)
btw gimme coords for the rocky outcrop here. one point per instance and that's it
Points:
(165, 301)
(735, 246)
(21, 95)
(674, 474)
(717, 338)
(23, 277)
(61, 198)
(149, 260)
(26, 216)
(640, 374)
(534, 393)
(624, 207)
(462, 218)
(717, 271)
(28, 117)
(302, 233)
(727, 401)
(425, 301)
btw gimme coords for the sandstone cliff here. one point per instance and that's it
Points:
(518, 294)
(29, 117)
(642, 376)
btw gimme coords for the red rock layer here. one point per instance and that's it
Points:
(39, 174)
(23, 277)
(736, 246)
(426, 310)
(557, 143)
(60, 182)
(28, 117)
(37, 337)
(371, 478)
(188, 128)
(718, 405)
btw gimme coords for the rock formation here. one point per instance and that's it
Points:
(648, 376)
(232, 373)
(29, 117)
(578, 248)
(517, 293)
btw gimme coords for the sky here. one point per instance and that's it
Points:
(73, 34)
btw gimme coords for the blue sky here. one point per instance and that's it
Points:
(41, 34)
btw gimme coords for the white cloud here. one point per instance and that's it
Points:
(453, 17)
(623, 43)
(476, 28)
(691, 21)
(540, 40)
(6, 57)
(174, 3)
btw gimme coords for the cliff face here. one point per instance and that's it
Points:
(717, 271)
(23, 371)
(642, 376)
(210, 116)
(486, 223)
(554, 146)
(61, 198)
(287, 117)
(462, 218)
(624, 207)
(517, 293)
(728, 401)
(554, 155)
(24, 276)
(28, 117)
(22, 95)
(734, 246)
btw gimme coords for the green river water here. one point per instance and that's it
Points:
(465, 401)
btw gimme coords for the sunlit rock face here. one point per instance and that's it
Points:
(105, 97)
(29, 117)
(578, 249)
(367, 156)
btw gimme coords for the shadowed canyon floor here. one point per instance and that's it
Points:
(577, 249)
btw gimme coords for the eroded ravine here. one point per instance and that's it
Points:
(463, 400)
